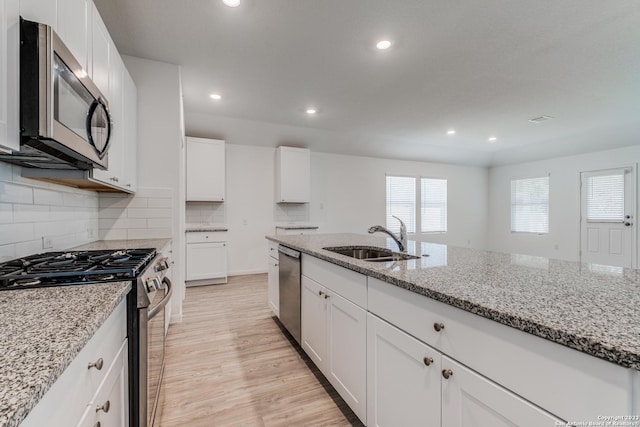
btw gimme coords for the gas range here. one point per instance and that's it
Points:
(74, 268)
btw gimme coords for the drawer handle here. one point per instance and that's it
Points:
(104, 407)
(446, 373)
(427, 360)
(97, 364)
(326, 296)
(438, 326)
(320, 293)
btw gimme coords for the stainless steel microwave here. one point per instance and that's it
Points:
(64, 118)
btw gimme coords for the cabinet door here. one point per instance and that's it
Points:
(206, 260)
(111, 397)
(347, 352)
(130, 118)
(100, 52)
(205, 170)
(471, 400)
(42, 11)
(313, 314)
(73, 26)
(113, 176)
(9, 80)
(293, 182)
(273, 291)
(403, 378)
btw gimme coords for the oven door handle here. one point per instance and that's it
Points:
(155, 310)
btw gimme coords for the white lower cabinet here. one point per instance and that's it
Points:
(403, 378)
(206, 258)
(471, 400)
(334, 334)
(273, 278)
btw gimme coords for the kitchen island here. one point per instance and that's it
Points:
(526, 323)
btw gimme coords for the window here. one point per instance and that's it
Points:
(433, 205)
(530, 205)
(401, 202)
(605, 198)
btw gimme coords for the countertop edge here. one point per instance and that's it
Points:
(583, 344)
(21, 413)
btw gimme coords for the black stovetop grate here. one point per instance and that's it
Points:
(73, 268)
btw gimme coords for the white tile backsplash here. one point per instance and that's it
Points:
(205, 213)
(147, 214)
(291, 213)
(32, 209)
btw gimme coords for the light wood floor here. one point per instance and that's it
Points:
(229, 363)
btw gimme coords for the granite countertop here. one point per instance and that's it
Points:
(297, 227)
(43, 330)
(158, 244)
(205, 229)
(588, 307)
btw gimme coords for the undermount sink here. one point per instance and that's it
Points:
(370, 253)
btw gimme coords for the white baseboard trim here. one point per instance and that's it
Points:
(246, 272)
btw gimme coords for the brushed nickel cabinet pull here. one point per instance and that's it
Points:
(446, 373)
(320, 293)
(104, 407)
(427, 360)
(438, 326)
(97, 364)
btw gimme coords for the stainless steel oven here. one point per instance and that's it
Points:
(64, 118)
(154, 291)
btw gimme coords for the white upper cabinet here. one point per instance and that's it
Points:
(9, 67)
(205, 170)
(42, 11)
(101, 47)
(293, 175)
(73, 28)
(130, 123)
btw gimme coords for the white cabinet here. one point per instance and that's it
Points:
(206, 258)
(334, 336)
(470, 400)
(97, 374)
(273, 278)
(205, 170)
(130, 123)
(101, 47)
(9, 80)
(293, 175)
(403, 378)
(42, 11)
(73, 28)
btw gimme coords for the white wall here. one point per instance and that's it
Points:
(161, 150)
(31, 209)
(564, 202)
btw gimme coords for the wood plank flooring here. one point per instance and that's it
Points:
(229, 363)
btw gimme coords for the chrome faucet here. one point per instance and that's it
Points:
(400, 240)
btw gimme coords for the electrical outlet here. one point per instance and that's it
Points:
(245, 222)
(47, 243)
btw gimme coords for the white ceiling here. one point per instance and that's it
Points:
(482, 68)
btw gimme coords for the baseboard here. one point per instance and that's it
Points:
(247, 272)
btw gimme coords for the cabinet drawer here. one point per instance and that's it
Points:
(273, 249)
(205, 237)
(563, 381)
(65, 401)
(347, 283)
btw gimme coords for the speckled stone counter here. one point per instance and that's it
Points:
(42, 331)
(591, 308)
(158, 244)
(205, 229)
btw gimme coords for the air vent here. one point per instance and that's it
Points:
(540, 119)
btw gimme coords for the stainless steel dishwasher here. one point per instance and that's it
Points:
(289, 275)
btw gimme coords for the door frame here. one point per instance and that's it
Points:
(634, 203)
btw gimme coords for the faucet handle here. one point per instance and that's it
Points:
(403, 228)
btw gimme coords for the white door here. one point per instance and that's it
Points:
(403, 378)
(313, 314)
(347, 352)
(471, 400)
(608, 217)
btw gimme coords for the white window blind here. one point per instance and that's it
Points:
(530, 205)
(401, 202)
(605, 198)
(433, 205)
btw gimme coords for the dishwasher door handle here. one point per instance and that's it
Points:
(288, 252)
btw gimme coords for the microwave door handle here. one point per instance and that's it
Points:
(92, 110)
(155, 310)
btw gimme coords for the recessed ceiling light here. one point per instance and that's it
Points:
(311, 111)
(383, 44)
(215, 96)
(492, 139)
(231, 3)
(451, 132)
